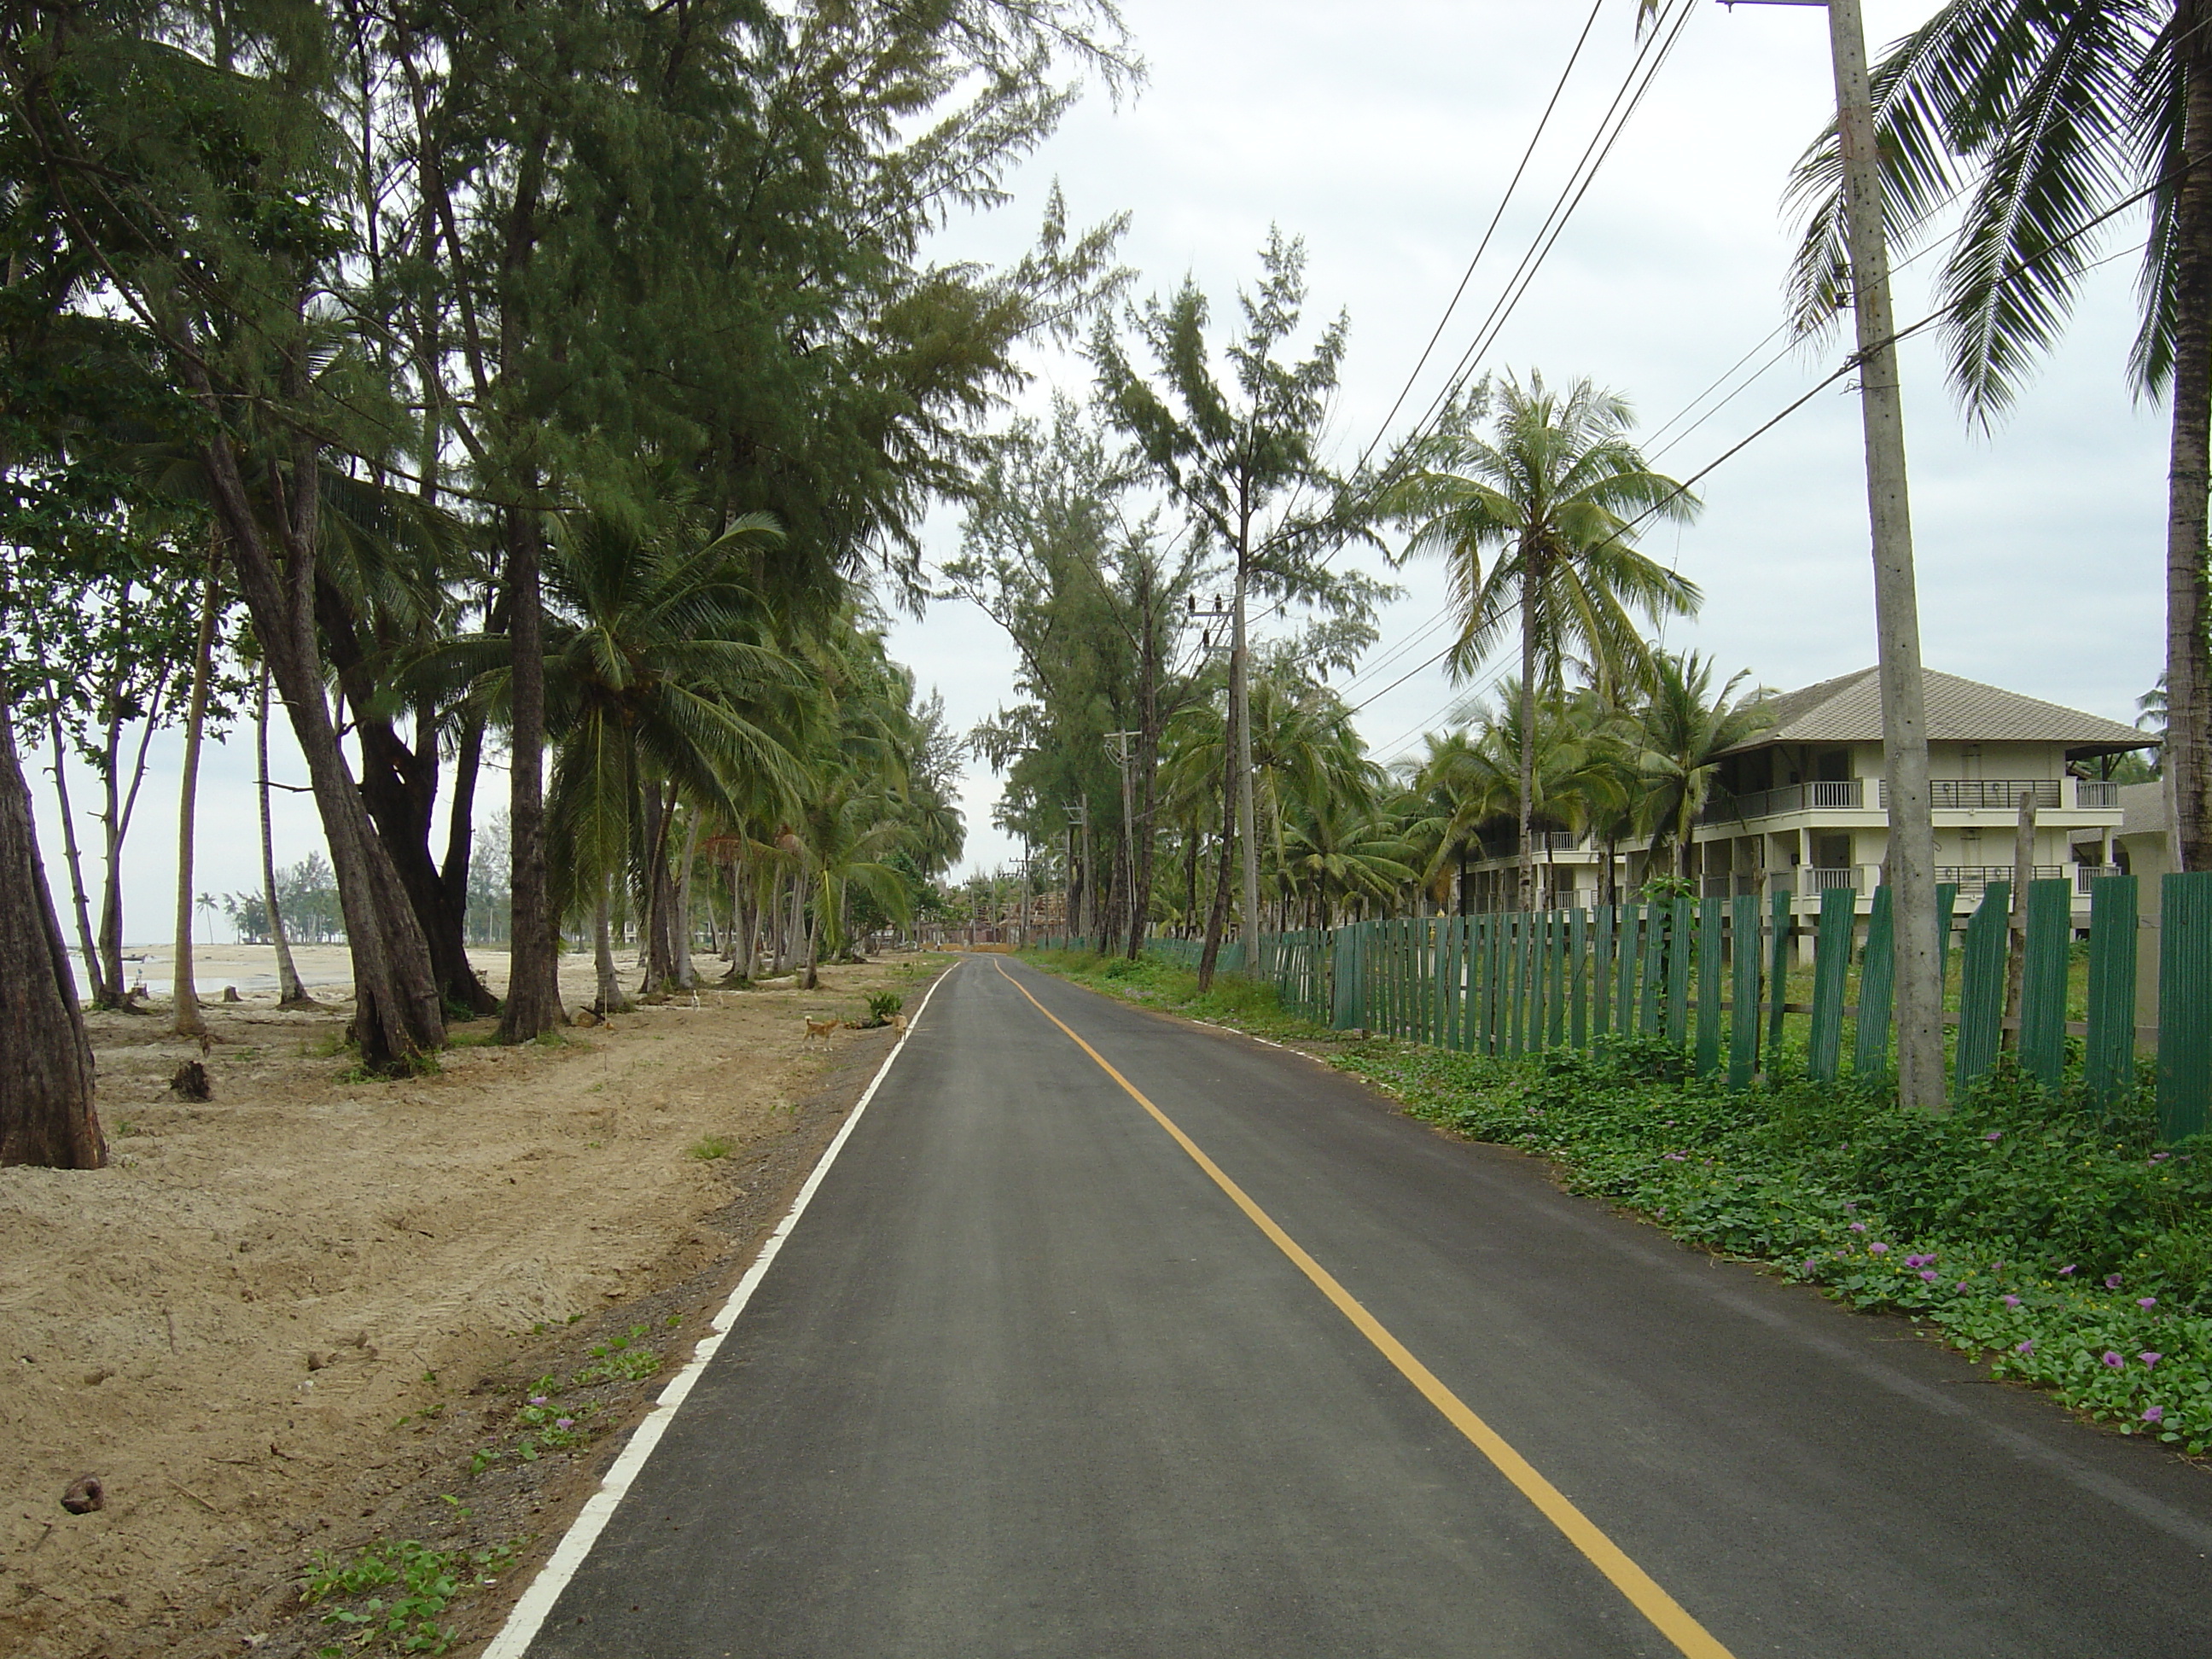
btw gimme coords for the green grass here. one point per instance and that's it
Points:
(2068, 1247)
(388, 1595)
(1152, 983)
(707, 1148)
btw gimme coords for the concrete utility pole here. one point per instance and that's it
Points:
(1119, 744)
(1896, 604)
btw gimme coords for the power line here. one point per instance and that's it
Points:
(1505, 200)
(1850, 366)
(1554, 223)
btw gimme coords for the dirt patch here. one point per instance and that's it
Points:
(297, 1316)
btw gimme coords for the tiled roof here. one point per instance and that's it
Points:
(1848, 709)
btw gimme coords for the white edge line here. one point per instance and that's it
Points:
(529, 1613)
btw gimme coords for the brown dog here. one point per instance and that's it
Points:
(820, 1028)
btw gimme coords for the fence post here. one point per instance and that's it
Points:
(1777, 978)
(1578, 964)
(2109, 1056)
(1628, 968)
(1563, 965)
(1709, 986)
(2184, 993)
(1678, 925)
(1877, 987)
(1743, 1013)
(2042, 982)
(1831, 961)
(1601, 971)
(1649, 1018)
(1981, 986)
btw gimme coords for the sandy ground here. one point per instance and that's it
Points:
(231, 1324)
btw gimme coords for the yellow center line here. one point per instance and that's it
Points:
(1665, 1612)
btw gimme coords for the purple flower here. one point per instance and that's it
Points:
(2112, 1281)
(1928, 1273)
(1811, 1262)
(2149, 1359)
(2066, 1272)
(537, 1399)
(2153, 1414)
(1878, 1248)
(2012, 1302)
(2113, 1360)
(1994, 1134)
(1858, 1227)
(1962, 1284)
(1674, 1157)
(2157, 1158)
(564, 1422)
(2146, 1302)
(2027, 1347)
(1849, 1204)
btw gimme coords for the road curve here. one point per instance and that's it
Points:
(1028, 1379)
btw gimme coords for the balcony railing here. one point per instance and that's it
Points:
(1973, 877)
(1809, 880)
(2093, 794)
(1727, 886)
(1846, 795)
(2086, 873)
(1987, 795)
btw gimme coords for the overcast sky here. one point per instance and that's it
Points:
(1384, 134)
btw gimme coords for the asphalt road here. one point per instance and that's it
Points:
(1026, 1379)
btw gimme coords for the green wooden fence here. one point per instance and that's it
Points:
(1712, 975)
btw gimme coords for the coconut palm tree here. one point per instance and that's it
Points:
(1463, 784)
(1559, 491)
(2050, 118)
(1682, 729)
(664, 681)
(1335, 848)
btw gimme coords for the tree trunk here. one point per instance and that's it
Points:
(687, 976)
(533, 984)
(184, 998)
(657, 931)
(2188, 755)
(100, 995)
(47, 1114)
(397, 1012)
(461, 820)
(779, 928)
(290, 993)
(610, 997)
(810, 922)
(1240, 701)
(744, 925)
(122, 806)
(1530, 582)
(1191, 850)
(399, 787)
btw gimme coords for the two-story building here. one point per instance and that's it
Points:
(1803, 807)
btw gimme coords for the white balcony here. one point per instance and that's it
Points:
(1847, 795)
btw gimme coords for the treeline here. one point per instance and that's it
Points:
(555, 385)
(1170, 772)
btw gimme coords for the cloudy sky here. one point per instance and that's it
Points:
(1384, 135)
